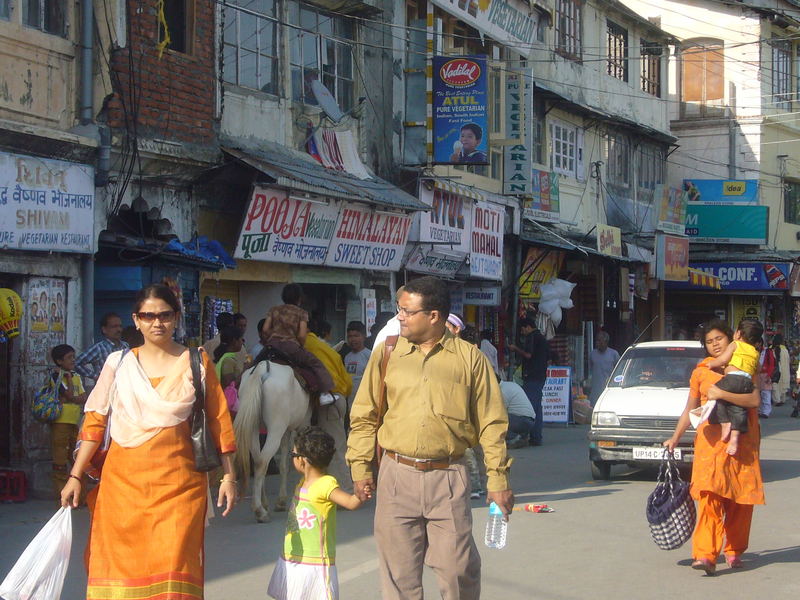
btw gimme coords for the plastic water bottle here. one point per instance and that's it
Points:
(496, 528)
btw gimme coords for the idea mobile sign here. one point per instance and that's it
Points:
(459, 110)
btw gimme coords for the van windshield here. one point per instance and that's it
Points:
(665, 366)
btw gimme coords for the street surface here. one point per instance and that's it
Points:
(596, 544)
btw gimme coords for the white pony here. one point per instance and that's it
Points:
(268, 393)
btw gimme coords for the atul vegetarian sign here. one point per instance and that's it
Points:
(280, 228)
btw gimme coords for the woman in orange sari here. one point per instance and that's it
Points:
(726, 487)
(148, 518)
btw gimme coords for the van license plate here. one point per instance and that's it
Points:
(653, 453)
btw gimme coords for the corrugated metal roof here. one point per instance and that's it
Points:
(297, 170)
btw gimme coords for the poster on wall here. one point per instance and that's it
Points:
(555, 395)
(459, 110)
(46, 311)
(368, 239)
(46, 204)
(544, 203)
(486, 258)
(282, 228)
(449, 222)
(671, 215)
(672, 257)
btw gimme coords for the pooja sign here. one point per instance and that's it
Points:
(282, 229)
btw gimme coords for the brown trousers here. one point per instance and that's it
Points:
(425, 518)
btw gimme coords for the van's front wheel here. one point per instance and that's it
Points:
(601, 470)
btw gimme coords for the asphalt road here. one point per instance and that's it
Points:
(595, 545)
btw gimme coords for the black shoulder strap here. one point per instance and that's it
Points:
(199, 397)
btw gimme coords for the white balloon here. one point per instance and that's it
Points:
(555, 316)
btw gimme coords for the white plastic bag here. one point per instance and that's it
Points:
(39, 572)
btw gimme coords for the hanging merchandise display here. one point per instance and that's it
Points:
(10, 312)
(212, 306)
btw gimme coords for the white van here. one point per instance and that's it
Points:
(641, 405)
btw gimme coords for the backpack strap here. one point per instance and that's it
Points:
(388, 348)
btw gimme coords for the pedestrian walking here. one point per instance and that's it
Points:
(767, 367)
(726, 487)
(489, 349)
(442, 398)
(534, 353)
(307, 567)
(148, 514)
(780, 390)
(90, 362)
(602, 360)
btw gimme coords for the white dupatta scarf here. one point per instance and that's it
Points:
(141, 410)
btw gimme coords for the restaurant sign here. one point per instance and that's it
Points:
(427, 259)
(486, 258)
(449, 222)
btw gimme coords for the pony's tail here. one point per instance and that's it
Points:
(248, 419)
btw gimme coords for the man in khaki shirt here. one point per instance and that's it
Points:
(442, 397)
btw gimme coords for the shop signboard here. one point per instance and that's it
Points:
(459, 110)
(722, 191)
(672, 256)
(481, 296)
(46, 204)
(727, 224)
(671, 216)
(541, 265)
(368, 239)
(449, 222)
(509, 22)
(486, 257)
(544, 203)
(609, 240)
(745, 276)
(282, 228)
(555, 395)
(517, 172)
(427, 259)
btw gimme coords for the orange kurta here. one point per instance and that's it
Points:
(738, 477)
(148, 522)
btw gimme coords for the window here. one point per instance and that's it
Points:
(617, 41)
(179, 23)
(564, 148)
(703, 79)
(651, 67)
(537, 122)
(319, 49)
(649, 166)
(496, 164)
(5, 9)
(45, 15)
(781, 72)
(568, 28)
(618, 155)
(250, 45)
(791, 202)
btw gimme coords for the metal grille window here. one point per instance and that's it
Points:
(619, 160)
(250, 45)
(791, 202)
(650, 166)
(5, 9)
(782, 72)
(320, 49)
(564, 148)
(568, 28)
(651, 67)
(617, 41)
(46, 15)
(538, 124)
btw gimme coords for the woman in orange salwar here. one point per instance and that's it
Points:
(148, 519)
(726, 487)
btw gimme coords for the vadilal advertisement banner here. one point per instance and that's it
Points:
(609, 240)
(281, 228)
(486, 258)
(544, 203)
(46, 204)
(368, 239)
(459, 110)
(672, 256)
(449, 222)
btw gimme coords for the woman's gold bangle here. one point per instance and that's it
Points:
(223, 480)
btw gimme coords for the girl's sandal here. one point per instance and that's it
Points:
(706, 565)
(734, 562)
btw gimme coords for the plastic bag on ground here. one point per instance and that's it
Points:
(39, 573)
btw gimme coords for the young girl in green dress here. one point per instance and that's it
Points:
(306, 569)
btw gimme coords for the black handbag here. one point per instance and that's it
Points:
(206, 457)
(671, 513)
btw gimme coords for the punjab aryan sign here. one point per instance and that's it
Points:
(281, 228)
(459, 109)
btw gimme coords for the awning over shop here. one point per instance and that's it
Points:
(199, 253)
(296, 170)
(702, 279)
(452, 187)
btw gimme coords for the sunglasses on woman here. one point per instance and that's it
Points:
(166, 316)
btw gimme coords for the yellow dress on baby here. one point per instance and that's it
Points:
(745, 357)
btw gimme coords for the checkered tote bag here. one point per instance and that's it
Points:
(670, 509)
